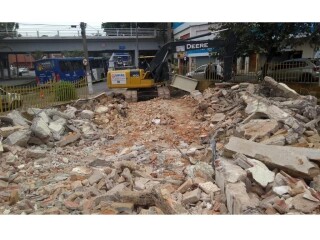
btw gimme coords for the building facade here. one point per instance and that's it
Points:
(190, 60)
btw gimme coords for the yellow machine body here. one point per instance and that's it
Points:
(129, 78)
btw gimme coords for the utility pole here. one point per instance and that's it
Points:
(86, 55)
(136, 54)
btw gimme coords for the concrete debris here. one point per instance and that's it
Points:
(277, 156)
(87, 114)
(18, 119)
(233, 149)
(261, 174)
(19, 138)
(226, 172)
(40, 128)
(238, 199)
(7, 131)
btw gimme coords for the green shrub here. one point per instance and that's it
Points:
(65, 91)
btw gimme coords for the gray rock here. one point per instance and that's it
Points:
(11, 158)
(44, 116)
(87, 114)
(6, 131)
(191, 197)
(3, 184)
(61, 177)
(102, 109)
(36, 153)
(200, 169)
(304, 205)
(228, 172)
(70, 112)
(209, 187)
(19, 138)
(40, 128)
(279, 140)
(34, 111)
(95, 177)
(56, 127)
(238, 199)
(18, 119)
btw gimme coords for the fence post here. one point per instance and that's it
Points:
(37, 33)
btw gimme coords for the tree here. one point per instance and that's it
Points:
(8, 29)
(270, 38)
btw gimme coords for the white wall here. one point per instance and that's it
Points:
(307, 50)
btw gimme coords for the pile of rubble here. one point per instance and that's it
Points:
(244, 149)
(268, 142)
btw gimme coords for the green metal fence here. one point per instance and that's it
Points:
(41, 96)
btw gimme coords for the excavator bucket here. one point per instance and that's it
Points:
(184, 83)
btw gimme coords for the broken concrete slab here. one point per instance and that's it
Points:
(36, 153)
(164, 201)
(191, 197)
(304, 205)
(185, 186)
(96, 176)
(18, 119)
(70, 138)
(102, 109)
(238, 199)
(87, 114)
(209, 187)
(281, 190)
(218, 117)
(200, 169)
(80, 173)
(278, 140)
(19, 138)
(284, 90)
(259, 105)
(6, 131)
(140, 183)
(40, 128)
(258, 128)
(226, 171)
(282, 157)
(281, 206)
(260, 173)
(56, 127)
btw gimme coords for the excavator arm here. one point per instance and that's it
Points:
(158, 66)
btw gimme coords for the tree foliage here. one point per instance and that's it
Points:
(269, 38)
(8, 29)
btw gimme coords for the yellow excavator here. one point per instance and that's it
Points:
(155, 78)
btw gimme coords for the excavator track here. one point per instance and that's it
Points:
(131, 95)
(163, 93)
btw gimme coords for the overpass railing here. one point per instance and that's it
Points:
(108, 32)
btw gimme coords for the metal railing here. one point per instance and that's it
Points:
(298, 72)
(108, 32)
(41, 96)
